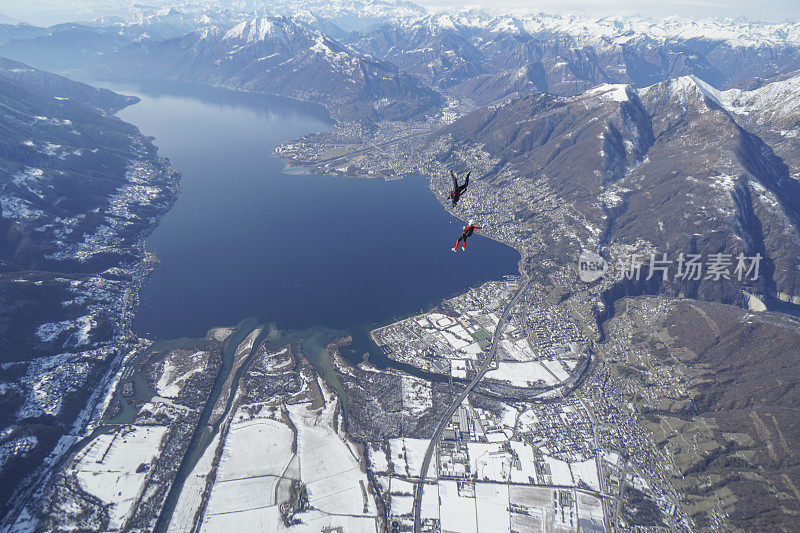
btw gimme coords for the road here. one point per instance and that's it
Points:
(600, 476)
(620, 494)
(501, 325)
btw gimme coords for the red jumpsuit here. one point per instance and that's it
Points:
(465, 235)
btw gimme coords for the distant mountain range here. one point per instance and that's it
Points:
(386, 60)
(278, 55)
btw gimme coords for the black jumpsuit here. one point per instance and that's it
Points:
(458, 190)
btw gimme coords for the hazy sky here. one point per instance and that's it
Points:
(53, 11)
(764, 10)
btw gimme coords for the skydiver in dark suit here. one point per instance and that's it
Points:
(458, 190)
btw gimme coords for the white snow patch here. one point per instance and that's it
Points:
(616, 92)
(108, 466)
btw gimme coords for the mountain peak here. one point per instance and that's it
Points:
(259, 28)
(688, 89)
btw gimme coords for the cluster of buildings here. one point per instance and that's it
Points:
(501, 463)
(488, 466)
(631, 460)
(452, 343)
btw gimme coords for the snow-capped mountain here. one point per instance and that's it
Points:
(432, 48)
(674, 165)
(373, 54)
(280, 55)
(575, 52)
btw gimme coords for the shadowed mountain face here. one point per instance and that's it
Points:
(669, 165)
(53, 128)
(79, 190)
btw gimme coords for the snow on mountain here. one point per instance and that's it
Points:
(780, 98)
(617, 92)
(283, 56)
(592, 31)
(773, 101)
(586, 30)
(349, 15)
(689, 89)
(252, 30)
(365, 15)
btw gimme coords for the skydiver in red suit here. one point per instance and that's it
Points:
(468, 230)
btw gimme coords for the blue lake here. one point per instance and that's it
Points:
(246, 239)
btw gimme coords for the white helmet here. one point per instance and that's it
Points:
(471, 222)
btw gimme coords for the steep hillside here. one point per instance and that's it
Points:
(727, 413)
(79, 190)
(665, 168)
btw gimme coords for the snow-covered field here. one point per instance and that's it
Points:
(559, 470)
(491, 502)
(522, 374)
(329, 466)
(315, 521)
(586, 471)
(257, 452)
(457, 512)
(255, 447)
(527, 470)
(407, 455)
(430, 502)
(556, 368)
(250, 521)
(402, 505)
(110, 468)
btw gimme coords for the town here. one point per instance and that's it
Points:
(536, 445)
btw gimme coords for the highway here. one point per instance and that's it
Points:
(501, 325)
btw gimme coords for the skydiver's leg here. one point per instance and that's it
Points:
(466, 181)
(464, 245)
(457, 243)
